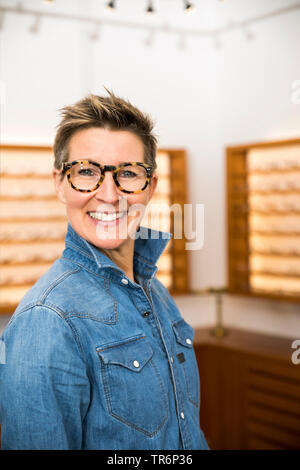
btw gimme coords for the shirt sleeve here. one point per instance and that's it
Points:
(44, 387)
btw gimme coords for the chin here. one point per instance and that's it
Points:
(107, 244)
(106, 236)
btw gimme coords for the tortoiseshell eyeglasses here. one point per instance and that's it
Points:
(86, 176)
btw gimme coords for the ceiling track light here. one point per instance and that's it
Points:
(150, 8)
(110, 5)
(188, 7)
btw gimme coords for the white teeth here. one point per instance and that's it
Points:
(106, 217)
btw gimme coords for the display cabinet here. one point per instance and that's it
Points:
(250, 389)
(33, 221)
(263, 219)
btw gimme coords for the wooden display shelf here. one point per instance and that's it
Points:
(274, 192)
(279, 171)
(262, 192)
(278, 234)
(32, 241)
(274, 274)
(34, 176)
(239, 210)
(274, 254)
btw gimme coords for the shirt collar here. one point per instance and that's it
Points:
(148, 247)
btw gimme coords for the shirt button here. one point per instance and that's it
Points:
(188, 341)
(182, 415)
(146, 314)
(124, 281)
(136, 363)
(172, 359)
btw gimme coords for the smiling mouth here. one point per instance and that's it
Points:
(106, 217)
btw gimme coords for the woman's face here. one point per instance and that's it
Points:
(86, 211)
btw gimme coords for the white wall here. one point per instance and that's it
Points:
(202, 99)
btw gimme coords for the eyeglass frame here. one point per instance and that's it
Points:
(66, 170)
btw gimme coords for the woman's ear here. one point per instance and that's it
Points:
(59, 185)
(152, 185)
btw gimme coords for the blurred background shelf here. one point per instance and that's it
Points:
(261, 220)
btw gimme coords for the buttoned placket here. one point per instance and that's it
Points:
(180, 413)
(184, 432)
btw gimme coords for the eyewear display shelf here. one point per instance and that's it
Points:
(263, 219)
(33, 221)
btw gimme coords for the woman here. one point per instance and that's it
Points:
(97, 354)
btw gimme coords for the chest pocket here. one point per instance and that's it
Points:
(186, 360)
(133, 387)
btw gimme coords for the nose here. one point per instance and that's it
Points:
(108, 191)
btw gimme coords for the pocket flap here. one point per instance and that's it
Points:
(184, 333)
(132, 353)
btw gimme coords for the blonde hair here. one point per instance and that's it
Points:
(111, 112)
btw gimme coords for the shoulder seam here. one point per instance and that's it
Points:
(56, 282)
(59, 313)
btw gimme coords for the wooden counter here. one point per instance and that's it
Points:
(250, 390)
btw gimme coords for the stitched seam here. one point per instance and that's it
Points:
(78, 341)
(119, 418)
(77, 248)
(140, 258)
(89, 270)
(161, 386)
(114, 345)
(115, 314)
(89, 317)
(187, 387)
(56, 282)
(93, 317)
(83, 266)
(38, 303)
(93, 254)
(60, 313)
(149, 434)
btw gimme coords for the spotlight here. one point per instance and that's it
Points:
(150, 9)
(188, 7)
(110, 5)
(48, 2)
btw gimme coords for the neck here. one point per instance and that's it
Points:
(123, 257)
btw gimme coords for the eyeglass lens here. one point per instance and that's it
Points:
(86, 176)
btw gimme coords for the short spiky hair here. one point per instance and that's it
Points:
(111, 112)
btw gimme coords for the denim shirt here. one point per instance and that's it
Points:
(96, 361)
